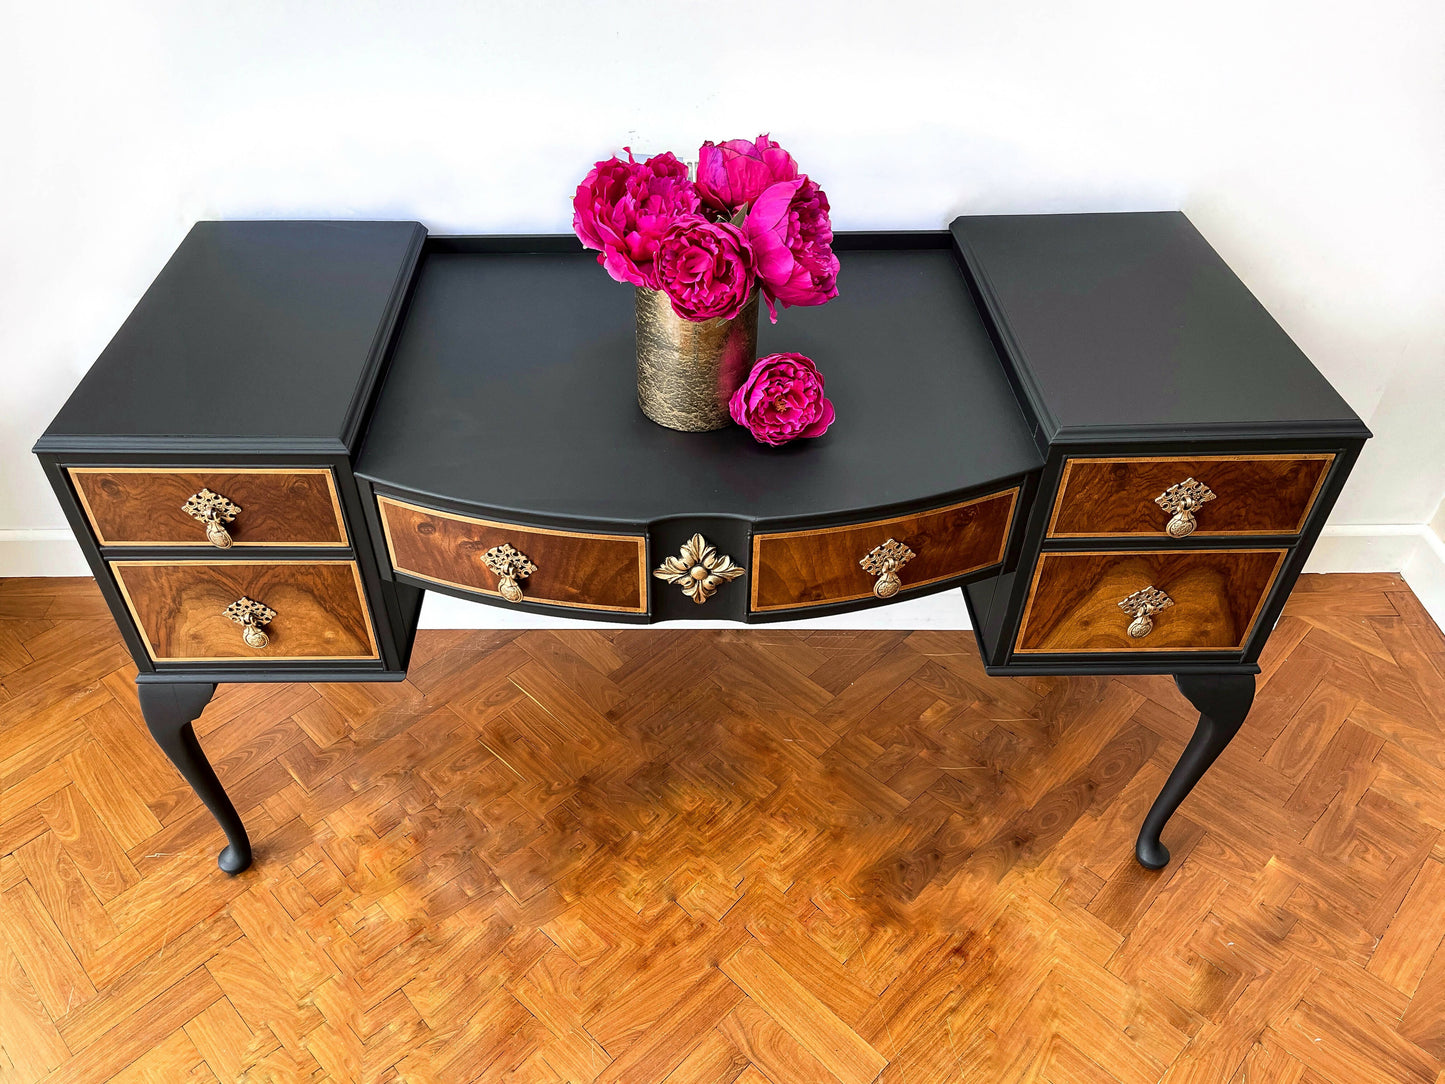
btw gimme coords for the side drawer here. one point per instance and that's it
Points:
(180, 609)
(1257, 494)
(798, 569)
(586, 571)
(1216, 595)
(145, 506)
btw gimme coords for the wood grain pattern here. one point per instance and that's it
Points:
(590, 855)
(586, 571)
(1264, 494)
(179, 607)
(1074, 599)
(797, 569)
(142, 507)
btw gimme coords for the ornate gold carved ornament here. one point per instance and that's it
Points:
(699, 569)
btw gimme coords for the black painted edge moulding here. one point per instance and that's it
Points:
(443, 371)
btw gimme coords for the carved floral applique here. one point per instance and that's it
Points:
(700, 570)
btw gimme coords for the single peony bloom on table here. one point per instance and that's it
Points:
(622, 209)
(705, 268)
(733, 174)
(782, 399)
(792, 241)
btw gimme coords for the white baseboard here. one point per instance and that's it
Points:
(1369, 547)
(1424, 571)
(41, 553)
(1411, 549)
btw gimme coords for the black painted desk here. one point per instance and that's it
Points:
(1085, 422)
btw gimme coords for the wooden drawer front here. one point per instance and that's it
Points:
(179, 608)
(1074, 600)
(813, 568)
(589, 571)
(142, 506)
(1262, 494)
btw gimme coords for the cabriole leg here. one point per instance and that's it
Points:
(169, 709)
(1223, 700)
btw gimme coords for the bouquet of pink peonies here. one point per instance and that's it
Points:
(750, 219)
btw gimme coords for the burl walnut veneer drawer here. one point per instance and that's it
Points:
(587, 571)
(1213, 600)
(1259, 494)
(797, 569)
(180, 607)
(146, 506)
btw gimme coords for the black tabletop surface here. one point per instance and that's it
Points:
(1130, 326)
(512, 389)
(255, 336)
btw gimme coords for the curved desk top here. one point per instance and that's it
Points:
(511, 391)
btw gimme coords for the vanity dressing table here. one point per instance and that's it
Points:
(1086, 423)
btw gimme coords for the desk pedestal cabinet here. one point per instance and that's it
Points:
(1084, 422)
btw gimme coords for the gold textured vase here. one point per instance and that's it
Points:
(686, 371)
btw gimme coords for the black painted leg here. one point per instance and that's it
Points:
(1223, 701)
(169, 709)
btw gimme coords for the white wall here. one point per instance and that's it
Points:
(1305, 138)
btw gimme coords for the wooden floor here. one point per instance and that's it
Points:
(742, 856)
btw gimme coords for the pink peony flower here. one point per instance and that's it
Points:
(732, 175)
(705, 268)
(792, 241)
(781, 399)
(623, 209)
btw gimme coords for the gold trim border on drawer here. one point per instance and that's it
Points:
(882, 526)
(1199, 532)
(500, 525)
(232, 660)
(342, 534)
(1264, 595)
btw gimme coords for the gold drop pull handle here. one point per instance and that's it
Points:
(1180, 500)
(1142, 606)
(884, 561)
(251, 615)
(214, 511)
(510, 565)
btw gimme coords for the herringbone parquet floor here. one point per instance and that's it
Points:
(753, 856)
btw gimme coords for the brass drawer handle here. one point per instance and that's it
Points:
(213, 510)
(510, 565)
(699, 569)
(884, 561)
(1142, 606)
(251, 615)
(1180, 500)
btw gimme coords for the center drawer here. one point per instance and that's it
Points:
(1204, 600)
(586, 571)
(302, 610)
(799, 569)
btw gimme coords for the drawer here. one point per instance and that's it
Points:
(586, 571)
(1259, 494)
(1216, 595)
(144, 506)
(798, 569)
(180, 609)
